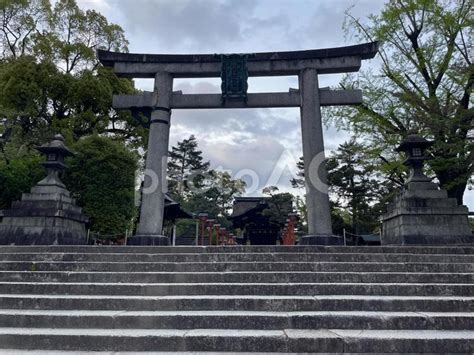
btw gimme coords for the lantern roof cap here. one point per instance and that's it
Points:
(413, 141)
(55, 146)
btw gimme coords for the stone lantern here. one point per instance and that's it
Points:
(422, 213)
(415, 148)
(47, 215)
(55, 153)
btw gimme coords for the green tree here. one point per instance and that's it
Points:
(72, 36)
(354, 187)
(51, 82)
(216, 195)
(17, 176)
(186, 168)
(63, 34)
(102, 177)
(424, 84)
(279, 205)
(20, 20)
(358, 192)
(54, 83)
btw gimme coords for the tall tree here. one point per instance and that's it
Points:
(358, 192)
(280, 204)
(18, 176)
(186, 168)
(216, 194)
(354, 186)
(72, 36)
(424, 84)
(53, 83)
(20, 21)
(102, 177)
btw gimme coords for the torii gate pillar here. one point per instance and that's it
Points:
(317, 198)
(149, 231)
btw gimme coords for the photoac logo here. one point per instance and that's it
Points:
(199, 181)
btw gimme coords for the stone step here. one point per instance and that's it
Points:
(103, 249)
(234, 277)
(242, 257)
(237, 340)
(223, 319)
(237, 299)
(161, 289)
(241, 302)
(290, 303)
(186, 241)
(56, 352)
(236, 266)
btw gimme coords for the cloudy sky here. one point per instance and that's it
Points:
(264, 141)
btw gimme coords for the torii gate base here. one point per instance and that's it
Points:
(234, 70)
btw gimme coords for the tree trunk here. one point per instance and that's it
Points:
(457, 192)
(446, 178)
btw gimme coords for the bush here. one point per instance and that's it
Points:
(19, 176)
(102, 177)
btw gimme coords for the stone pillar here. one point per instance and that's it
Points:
(149, 230)
(317, 199)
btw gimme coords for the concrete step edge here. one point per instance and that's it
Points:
(213, 249)
(226, 313)
(356, 333)
(247, 272)
(188, 284)
(285, 340)
(236, 319)
(238, 297)
(236, 277)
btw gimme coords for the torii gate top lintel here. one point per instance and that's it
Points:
(327, 60)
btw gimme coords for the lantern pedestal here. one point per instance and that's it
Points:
(45, 216)
(422, 213)
(425, 216)
(48, 215)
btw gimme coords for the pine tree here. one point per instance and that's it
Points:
(186, 169)
(354, 187)
(216, 195)
(358, 195)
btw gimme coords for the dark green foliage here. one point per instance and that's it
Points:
(40, 100)
(357, 191)
(186, 169)
(18, 176)
(279, 206)
(195, 186)
(102, 177)
(216, 195)
(50, 79)
(353, 185)
(51, 82)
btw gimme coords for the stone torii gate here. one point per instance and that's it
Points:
(234, 70)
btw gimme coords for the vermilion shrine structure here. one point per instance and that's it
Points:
(234, 69)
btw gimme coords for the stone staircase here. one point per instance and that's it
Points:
(236, 299)
(187, 240)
